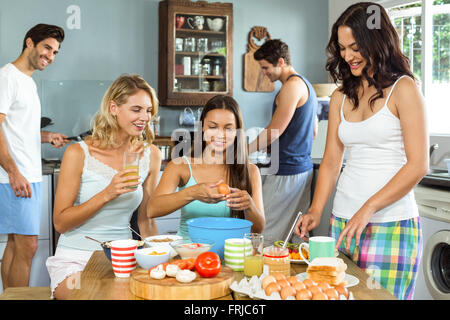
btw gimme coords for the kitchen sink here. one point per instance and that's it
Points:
(437, 171)
(438, 178)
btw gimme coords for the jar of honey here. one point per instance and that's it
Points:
(276, 260)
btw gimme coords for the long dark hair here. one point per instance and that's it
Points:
(238, 171)
(379, 46)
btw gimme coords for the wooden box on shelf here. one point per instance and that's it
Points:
(195, 51)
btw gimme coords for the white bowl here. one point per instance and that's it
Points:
(147, 261)
(324, 89)
(150, 241)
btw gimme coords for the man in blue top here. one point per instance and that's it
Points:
(293, 127)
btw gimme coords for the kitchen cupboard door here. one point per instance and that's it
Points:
(195, 51)
(46, 217)
(39, 276)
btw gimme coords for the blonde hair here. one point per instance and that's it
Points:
(105, 126)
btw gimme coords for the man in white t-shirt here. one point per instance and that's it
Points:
(20, 152)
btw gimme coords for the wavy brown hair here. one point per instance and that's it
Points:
(105, 126)
(380, 47)
(238, 174)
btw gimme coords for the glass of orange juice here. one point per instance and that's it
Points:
(131, 161)
(253, 260)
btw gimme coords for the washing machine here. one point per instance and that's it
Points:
(433, 281)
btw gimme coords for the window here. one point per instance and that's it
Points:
(430, 59)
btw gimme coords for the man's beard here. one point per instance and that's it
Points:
(33, 60)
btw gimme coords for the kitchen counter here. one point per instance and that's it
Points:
(99, 283)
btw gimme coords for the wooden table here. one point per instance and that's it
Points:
(99, 283)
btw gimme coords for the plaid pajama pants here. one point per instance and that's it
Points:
(389, 252)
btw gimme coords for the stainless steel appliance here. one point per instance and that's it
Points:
(433, 281)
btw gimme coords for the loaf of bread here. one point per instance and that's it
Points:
(331, 270)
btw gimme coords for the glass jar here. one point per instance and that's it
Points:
(189, 44)
(202, 44)
(206, 67)
(196, 66)
(205, 86)
(216, 68)
(276, 260)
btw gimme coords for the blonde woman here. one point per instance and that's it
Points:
(92, 198)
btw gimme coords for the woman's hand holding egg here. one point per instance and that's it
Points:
(239, 200)
(207, 192)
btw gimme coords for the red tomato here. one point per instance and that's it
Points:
(223, 188)
(208, 264)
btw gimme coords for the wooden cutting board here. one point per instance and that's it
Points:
(143, 286)
(254, 80)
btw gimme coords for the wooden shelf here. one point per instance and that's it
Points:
(200, 32)
(198, 53)
(181, 76)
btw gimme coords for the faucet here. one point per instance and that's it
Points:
(433, 147)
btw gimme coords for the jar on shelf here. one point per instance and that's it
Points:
(196, 66)
(205, 86)
(216, 68)
(206, 67)
(276, 261)
(202, 44)
(189, 44)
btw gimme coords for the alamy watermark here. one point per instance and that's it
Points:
(374, 19)
(375, 275)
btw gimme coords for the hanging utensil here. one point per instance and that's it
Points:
(292, 229)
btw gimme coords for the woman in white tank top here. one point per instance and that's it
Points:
(92, 197)
(378, 117)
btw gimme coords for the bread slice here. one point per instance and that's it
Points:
(328, 265)
(332, 280)
(331, 270)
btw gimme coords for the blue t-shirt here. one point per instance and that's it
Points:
(296, 141)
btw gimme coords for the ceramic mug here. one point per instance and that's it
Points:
(319, 247)
(179, 21)
(196, 22)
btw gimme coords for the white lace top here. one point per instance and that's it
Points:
(110, 222)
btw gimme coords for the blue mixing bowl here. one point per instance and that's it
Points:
(218, 230)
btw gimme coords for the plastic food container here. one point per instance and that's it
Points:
(276, 259)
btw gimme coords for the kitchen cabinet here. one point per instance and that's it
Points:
(39, 275)
(195, 51)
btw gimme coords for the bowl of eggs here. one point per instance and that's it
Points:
(280, 287)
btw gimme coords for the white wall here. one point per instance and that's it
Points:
(335, 9)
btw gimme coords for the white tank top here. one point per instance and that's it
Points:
(112, 220)
(375, 153)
